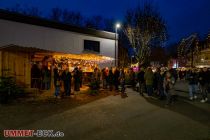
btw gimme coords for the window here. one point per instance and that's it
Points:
(90, 45)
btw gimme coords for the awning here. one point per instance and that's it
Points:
(40, 53)
(86, 57)
(16, 48)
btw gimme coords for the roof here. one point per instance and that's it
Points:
(17, 48)
(11, 16)
(41, 52)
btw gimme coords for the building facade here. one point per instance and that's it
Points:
(25, 40)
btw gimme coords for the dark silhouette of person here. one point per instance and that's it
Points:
(76, 79)
(66, 77)
(110, 79)
(116, 79)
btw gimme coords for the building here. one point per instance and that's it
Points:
(26, 40)
(193, 52)
(203, 59)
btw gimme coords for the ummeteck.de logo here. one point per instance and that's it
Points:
(32, 133)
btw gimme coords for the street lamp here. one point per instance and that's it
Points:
(131, 60)
(117, 26)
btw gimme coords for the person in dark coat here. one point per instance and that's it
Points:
(133, 78)
(160, 80)
(193, 81)
(36, 77)
(46, 75)
(80, 77)
(76, 79)
(122, 83)
(106, 74)
(180, 75)
(149, 79)
(168, 84)
(174, 74)
(57, 81)
(110, 77)
(204, 83)
(103, 78)
(116, 79)
(141, 81)
(66, 77)
(155, 83)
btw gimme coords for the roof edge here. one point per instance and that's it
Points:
(12, 16)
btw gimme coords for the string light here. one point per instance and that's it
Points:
(86, 61)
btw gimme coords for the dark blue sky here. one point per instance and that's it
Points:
(183, 17)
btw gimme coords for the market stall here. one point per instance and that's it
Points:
(87, 62)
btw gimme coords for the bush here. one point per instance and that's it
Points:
(9, 89)
(94, 87)
(93, 92)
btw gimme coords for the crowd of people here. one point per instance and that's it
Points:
(148, 81)
(162, 82)
(199, 80)
(63, 78)
(41, 77)
(112, 80)
(159, 82)
(106, 78)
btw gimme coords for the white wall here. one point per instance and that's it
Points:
(27, 35)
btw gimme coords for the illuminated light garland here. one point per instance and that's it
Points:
(86, 61)
(85, 57)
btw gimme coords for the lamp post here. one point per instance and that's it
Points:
(132, 60)
(116, 27)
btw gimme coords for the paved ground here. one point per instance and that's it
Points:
(132, 118)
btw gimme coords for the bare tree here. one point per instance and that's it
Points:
(109, 24)
(31, 11)
(95, 22)
(144, 27)
(73, 18)
(16, 8)
(56, 14)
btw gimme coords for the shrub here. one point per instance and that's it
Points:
(94, 87)
(9, 89)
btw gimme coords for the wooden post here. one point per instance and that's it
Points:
(28, 70)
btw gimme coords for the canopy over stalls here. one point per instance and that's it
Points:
(87, 61)
(16, 48)
(85, 57)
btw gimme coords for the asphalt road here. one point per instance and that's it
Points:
(132, 118)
